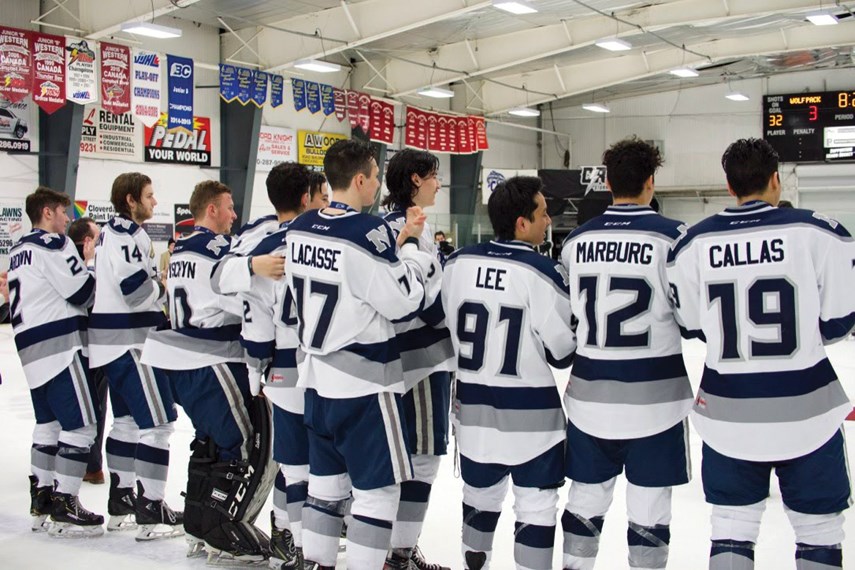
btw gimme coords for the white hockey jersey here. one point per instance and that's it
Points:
(251, 233)
(766, 288)
(348, 286)
(49, 291)
(424, 341)
(628, 379)
(129, 297)
(508, 310)
(205, 325)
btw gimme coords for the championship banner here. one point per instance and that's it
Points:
(432, 132)
(180, 96)
(464, 141)
(312, 146)
(228, 82)
(81, 79)
(109, 136)
(258, 94)
(382, 127)
(101, 211)
(275, 146)
(327, 99)
(298, 92)
(14, 126)
(353, 108)
(115, 78)
(145, 99)
(176, 145)
(16, 64)
(492, 177)
(481, 134)
(11, 225)
(244, 85)
(414, 135)
(277, 90)
(340, 100)
(313, 97)
(444, 132)
(184, 220)
(48, 72)
(364, 112)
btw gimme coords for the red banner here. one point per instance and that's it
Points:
(115, 78)
(365, 112)
(340, 100)
(48, 72)
(353, 108)
(382, 127)
(16, 64)
(464, 143)
(481, 134)
(432, 132)
(444, 132)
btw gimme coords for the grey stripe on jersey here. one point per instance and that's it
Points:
(772, 410)
(226, 349)
(366, 370)
(118, 337)
(289, 376)
(141, 293)
(633, 393)
(149, 386)
(236, 403)
(426, 358)
(488, 417)
(395, 437)
(52, 346)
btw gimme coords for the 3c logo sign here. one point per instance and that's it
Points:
(180, 70)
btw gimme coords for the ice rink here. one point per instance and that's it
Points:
(20, 548)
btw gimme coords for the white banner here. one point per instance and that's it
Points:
(275, 146)
(145, 97)
(106, 135)
(492, 177)
(11, 225)
(81, 82)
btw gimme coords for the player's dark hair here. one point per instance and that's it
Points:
(80, 229)
(513, 198)
(629, 163)
(399, 176)
(748, 165)
(127, 184)
(42, 198)
(344, 160)
(206, 192)
(316, 182)
(286, 185)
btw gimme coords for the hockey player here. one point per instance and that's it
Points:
(508, 311)
(128, 303)
(766, 288)
(228, 475)
(427, 356)
(348, 285)
(629, 394)
(50, 290)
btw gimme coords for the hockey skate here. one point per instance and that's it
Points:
(40, 505)
(155, 519)
(236, 544)
(71, 520)
(120, 506)
(419, 562)
(399, 559)
(283, 552)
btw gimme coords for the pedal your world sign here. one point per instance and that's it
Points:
(177, 145)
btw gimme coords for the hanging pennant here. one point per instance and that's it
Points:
(298, 88)
(313, 96)
(16, 64)
(115, 78)
(48, 72)
(259, 88)
(364, 112)
(327, 100)
(481, 134)
(353, 108)
(340, 100)
(145, 99)
(453, 145)
(432, 132)
(277, 90)
(244, 81)
(80, 76)
(382, 128)
(180, 88)
(228, 82)
(464, 142)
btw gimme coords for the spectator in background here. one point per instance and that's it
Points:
(442, 243)
(84, 233)
(163, 264)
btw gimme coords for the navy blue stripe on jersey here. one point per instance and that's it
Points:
(129, 285)
(257, 350)
(223, 333)
(205, 244)
(559, 362)
(124, 225)
(768, 384)
(43, 239)
(50, 330)
(382, 352)
(255, 223)
(632, 219)
(433, 315)
(515, 252)
(284, 358)
(690, 334)
(126, 320)
(527, 398)
(420, 338)
(836, 329)
(272, 241)
(84, 294)
(643, 369)
(369, 233)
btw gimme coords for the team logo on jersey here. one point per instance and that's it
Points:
(47, 238)
(826, 219)
(216, 244)
(379, 238)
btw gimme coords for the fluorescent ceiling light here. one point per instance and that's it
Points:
(436, 92)
(596, 107)
(684, 72)
(822, 18)
(317, 66)
(514, 7)
(524, 112)
(151, 30)
(737, 96)
(614, 44)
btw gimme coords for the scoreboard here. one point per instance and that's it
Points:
(811, 127)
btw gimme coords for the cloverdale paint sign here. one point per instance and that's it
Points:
(178, 145)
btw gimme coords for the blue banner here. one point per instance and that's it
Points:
(259, 88)
(244, 85)
(298, 88)
(313, 96)
(228, 82)
(327, 99)
(277, 90)
(180, 97)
